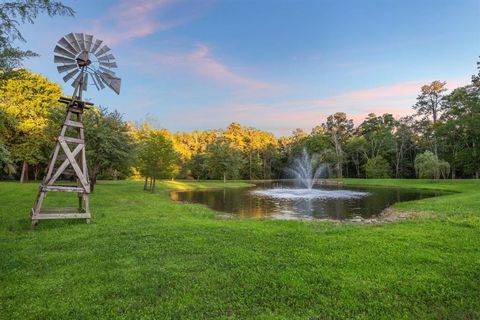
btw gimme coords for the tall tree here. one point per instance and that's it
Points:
(12, 13)
(109, 146)
(223, 160)
(156, 157)
(462, 127)
(28, 100)
(339, 128)
(429, 105)
(403, 145)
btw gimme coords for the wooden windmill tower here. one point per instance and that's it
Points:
(83, 60)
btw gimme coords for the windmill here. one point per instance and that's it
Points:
(85, 62)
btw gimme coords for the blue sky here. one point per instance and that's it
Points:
(273, 64)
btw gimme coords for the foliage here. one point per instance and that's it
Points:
(12, 13)
(461, 128)
(196, 165)
(427, 165)
(223, 160)
(6, 163)
(429, 105)
(27, 101)
(340, 129)
(377, 167)
(156, 156)
(109, 147)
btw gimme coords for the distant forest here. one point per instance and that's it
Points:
(441, 139)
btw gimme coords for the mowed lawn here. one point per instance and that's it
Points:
(147, 257)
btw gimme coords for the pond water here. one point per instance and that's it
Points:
(281, 200)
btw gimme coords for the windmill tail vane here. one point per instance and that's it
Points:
(83, 61)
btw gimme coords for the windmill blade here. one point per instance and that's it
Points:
(103, 50)
(96, 45)
(64, 43)
(107, 71)
(60, 59)
(107, 58)
(71, 38)
(77, 80)
(97, 77)
(113, 83)
(70, 75)
(88, 42)
(80, 40)
(108, 64)
(63, 52)
(95, 81)
(67, 67)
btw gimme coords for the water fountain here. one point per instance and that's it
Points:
(306, 170)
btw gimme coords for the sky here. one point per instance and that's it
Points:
(276, 65)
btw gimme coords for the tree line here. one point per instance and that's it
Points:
(441, 139)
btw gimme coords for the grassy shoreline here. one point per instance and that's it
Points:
(145, 256)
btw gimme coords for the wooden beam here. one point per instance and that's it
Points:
(54, 216)
(61, 210)
(63, 189)
(70, 140)
(64, 165)
(75, 166)
(75, 124)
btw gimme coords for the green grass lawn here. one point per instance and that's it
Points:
(147, 257)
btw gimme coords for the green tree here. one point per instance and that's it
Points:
(223, 161)
(6, 163)
(427, 165)
(12, 13)
(339, 128)
(109, 146)
(196, 165)
(461, 128)
(27, 101)
(357, 150)
(156, 157)
(378, 132)
(404, 145)
(377, 167)
(429, 105)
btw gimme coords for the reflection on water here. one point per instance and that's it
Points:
(271, 199)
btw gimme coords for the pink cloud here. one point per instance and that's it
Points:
(130, 19)
(282, 118)
(204, 64)
(396, 97)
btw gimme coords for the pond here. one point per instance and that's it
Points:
(281, 200)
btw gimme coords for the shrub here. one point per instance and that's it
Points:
(377, 168)
(427, 165)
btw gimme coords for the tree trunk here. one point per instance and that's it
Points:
(145, 184)
(250, 168)
(154, 187)
(36, 172)
(93, 182)
(224, 177)
(24, 174)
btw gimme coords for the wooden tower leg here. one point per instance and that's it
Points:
(74, 158)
